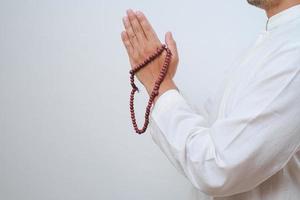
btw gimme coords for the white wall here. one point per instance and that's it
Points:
(65, 130)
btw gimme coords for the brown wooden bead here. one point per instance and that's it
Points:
(155, 92)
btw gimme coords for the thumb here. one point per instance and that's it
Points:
(171, 44)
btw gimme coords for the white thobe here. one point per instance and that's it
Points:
(245, 143)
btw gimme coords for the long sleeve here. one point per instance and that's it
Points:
(254, 140)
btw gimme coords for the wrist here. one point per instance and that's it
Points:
(164, 87)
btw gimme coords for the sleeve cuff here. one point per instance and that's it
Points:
(166, 102)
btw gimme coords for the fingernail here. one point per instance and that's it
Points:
(139, 13)
(129, 11)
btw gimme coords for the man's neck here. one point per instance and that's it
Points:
(283, 5)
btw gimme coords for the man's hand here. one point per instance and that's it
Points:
(141, 41)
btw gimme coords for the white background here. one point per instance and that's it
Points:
(65, 129)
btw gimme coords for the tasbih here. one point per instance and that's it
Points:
(156, 87)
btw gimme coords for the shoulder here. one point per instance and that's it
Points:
(292, 33)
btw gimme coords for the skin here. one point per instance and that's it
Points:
(141, 41)
(272, 7)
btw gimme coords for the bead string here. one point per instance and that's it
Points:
(156, 87)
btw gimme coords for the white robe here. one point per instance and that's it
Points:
(245, 144)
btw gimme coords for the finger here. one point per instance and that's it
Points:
(171, 43)
(136, 26)
(127, 42)
(146, 26)
(131, 34)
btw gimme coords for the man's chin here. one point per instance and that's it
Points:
(257, 3)
(264, 4)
